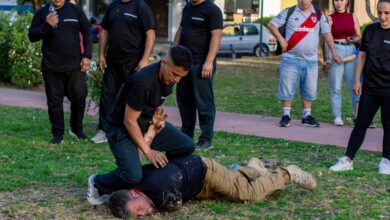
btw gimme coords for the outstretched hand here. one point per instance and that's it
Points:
(158, 120)
(158, 159)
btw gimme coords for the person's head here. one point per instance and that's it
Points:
(340, 5)
(383, 9)
(58, 3)
(236, 30)
(93, 20)
(130, 203)
(175, 65)
(196, 2)
(304, 5)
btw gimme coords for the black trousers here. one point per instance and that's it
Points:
(195, 94)
(368, 106)
(115, 75)
(73, 85)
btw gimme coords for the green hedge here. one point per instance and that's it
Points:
(20, 59)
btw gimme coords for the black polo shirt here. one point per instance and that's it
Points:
(181, 180)
(197, 22)
(126, 23)
(376, 43)
(144, 92)
(61, 50)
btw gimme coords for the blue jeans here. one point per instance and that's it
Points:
(195, 93)
(294, 73)
(336, 74)
(129, 172)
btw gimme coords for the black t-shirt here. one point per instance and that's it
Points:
(126, 23)
(376, 43)
(182, 179)
(144, 92)
(197, 22)
(61, 50)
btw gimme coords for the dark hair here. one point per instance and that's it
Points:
(385, 1)
(181, 57)
(93, 20)
(118, 203)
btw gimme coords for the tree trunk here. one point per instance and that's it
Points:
(369, 12)
(37, 4)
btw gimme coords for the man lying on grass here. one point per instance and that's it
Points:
(195, 177)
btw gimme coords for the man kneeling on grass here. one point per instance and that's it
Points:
(195, 177)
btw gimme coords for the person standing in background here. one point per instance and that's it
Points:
(201, 31)
(63, 64)
(125, 45)
(374, 63)
(346, 33)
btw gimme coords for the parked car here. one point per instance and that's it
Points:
(245, 38)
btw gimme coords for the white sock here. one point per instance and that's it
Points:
(306, 112)
(286, 111)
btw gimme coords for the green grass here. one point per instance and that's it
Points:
(41, 181)
(250, 85)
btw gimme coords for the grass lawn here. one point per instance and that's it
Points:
(250, 85)
(41, 181)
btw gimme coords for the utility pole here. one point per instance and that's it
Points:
(261, 4)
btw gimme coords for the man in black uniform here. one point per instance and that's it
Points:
(201, 31)
(130, 118)
(125, 45)
(63, 65)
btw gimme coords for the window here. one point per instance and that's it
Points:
(250, 30)
(231, 30)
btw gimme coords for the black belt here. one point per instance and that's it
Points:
(342, 43)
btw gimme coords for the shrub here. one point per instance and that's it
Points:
(24, 57)
(5, 30)
(95, 78)
(266, 20)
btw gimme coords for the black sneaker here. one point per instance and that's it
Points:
(57, 140)
(79, 135)
(206, 145)
(372, 125)
(310, 121)
(285, 122)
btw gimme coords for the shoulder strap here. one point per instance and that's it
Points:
(289, 12)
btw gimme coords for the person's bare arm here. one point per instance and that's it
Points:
(176, 40)
(357, 88)
(157, 158)
(275, 31)
(207, 69)
(329, 40)
(149, 44)
(102, 49)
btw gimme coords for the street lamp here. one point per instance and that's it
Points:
(261, 4)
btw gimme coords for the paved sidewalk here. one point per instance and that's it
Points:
(230, 122)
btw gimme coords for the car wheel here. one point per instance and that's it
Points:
(262, 51)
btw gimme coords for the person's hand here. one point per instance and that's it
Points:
(353, 39)
(142, 63)
(102, 63)
(336, 58)
(158, 119)
(357, 88)
(207, 70)
(284, 45)
(52, 19)
(326, 68)
(158, 159)
(85, 63)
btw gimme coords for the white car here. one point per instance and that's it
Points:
(245, 38)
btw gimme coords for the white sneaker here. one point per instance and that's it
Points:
(342, 165)
(338, 121)
(100, 137)
(384, 166)
(93, 196)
